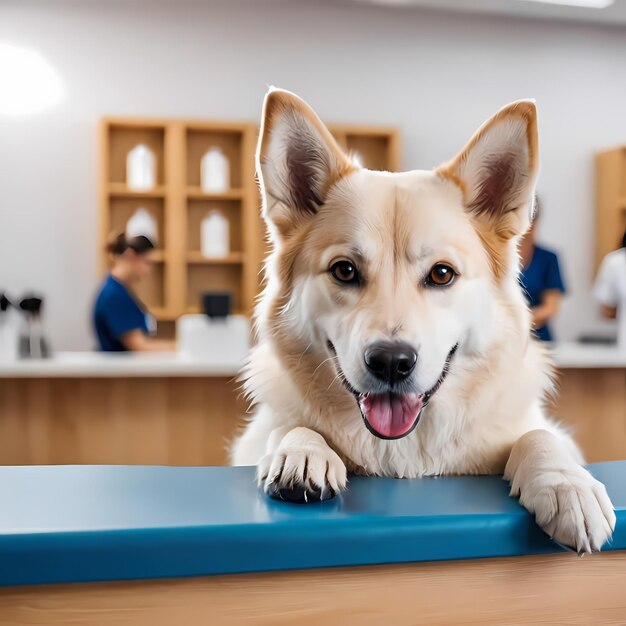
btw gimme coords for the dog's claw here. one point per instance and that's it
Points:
(310, 473)
(299, 494)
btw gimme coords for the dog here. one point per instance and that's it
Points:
(393, 335)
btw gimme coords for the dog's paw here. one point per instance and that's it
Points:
(572, 507)
(302, 471)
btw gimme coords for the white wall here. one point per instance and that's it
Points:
(436, 76)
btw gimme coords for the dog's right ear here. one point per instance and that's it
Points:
(298, 160)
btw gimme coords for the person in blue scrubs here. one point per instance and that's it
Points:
(121, 321)
(541, 281)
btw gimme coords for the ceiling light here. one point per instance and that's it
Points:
(29, 84)
(586, 4)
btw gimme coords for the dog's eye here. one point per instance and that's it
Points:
(345, 272)
(440, 275)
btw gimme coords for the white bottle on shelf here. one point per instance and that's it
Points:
(215, 235)
(214, 171)
(142, 222)
(141, 168)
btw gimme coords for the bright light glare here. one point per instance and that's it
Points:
(28, 83)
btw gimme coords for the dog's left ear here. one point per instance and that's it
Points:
(496, 171)
(298, 160)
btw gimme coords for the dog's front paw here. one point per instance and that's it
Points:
(303, 469)
(571, 506)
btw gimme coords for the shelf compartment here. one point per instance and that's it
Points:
(196, 310)
(120, 190)
(197, 210)
(196, 193)
(122, 208)
(202, 278)
(162, 314)
(123, 138)
(199, 140)
(234, 258)
(372, 150)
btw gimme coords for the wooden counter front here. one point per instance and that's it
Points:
(592, 403)
(168, 411)
(150, 421)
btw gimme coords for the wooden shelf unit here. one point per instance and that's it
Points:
(181, 274)
(610, 201)
(178, 203)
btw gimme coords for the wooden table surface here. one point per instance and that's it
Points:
(553, 589)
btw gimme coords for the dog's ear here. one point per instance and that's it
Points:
(298, 160)
(496, 171)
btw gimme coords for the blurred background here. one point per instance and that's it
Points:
(127, 133)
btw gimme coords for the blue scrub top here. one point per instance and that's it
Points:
(542, 274)
(116, 312)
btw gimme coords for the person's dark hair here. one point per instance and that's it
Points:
(624, 240)
(118, 244)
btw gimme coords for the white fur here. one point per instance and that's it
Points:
(488, 411)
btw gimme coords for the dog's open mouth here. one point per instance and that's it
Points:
(393, 415)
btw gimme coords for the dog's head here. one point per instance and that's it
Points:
(388, 275)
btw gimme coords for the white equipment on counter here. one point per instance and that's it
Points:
(219, 340)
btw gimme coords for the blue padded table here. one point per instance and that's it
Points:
(67, 524)
(90, 523)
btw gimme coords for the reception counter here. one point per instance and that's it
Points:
(165, 409)
(80, 545)
(88, 407)
(591, 398)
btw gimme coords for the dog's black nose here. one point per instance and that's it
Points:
(390, 362)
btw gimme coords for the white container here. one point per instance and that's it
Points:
(214, 171)
(141, 168)
(142, 222)
(215, 235)
(221, 342)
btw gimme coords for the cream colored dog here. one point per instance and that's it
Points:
(394, 339)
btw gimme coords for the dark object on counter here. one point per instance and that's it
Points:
(32, 343)
(601, 340)
(216, 304)
(32, 304)
(5, 303)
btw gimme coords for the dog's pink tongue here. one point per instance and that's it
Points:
(391, 415)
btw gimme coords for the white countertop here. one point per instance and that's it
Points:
(113, 365)
(579, 356)
(171, 364)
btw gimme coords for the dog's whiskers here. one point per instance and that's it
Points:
(303, 353)
(330, 358)
(332, 382)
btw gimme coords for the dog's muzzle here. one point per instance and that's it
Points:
(391, 414)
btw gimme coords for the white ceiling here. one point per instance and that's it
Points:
(614, 14)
